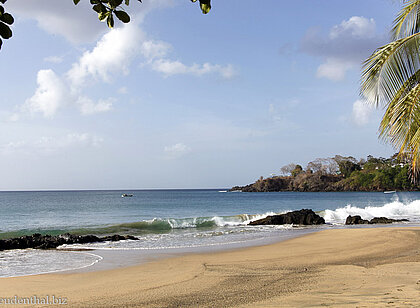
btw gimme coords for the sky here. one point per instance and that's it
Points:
(178, 99)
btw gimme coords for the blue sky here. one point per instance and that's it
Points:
(177, 99)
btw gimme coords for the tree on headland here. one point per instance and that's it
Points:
(107, 10)
(323, 165)
(391, 79)
(298, 170)
(287, 169)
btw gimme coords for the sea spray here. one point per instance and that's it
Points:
(395, 210)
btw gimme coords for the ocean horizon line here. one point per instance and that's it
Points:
(106, 189)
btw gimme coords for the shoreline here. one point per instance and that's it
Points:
(139, 256)
(371, 266)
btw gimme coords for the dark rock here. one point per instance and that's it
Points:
(39, 241)
(384, 220)
(88, 239)
(355, 220)
(114, 238)
(302, 217)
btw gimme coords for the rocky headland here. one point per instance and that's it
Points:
(338, 174)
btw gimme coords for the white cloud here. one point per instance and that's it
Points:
(344, 48)
(83, 139)
(54, 59)
(334, 69)
(50, 95)
(78, 24)
(112, 55)
(176, 150)
(168, 68)
(88, 106)
(361, 112)
(53, 93)
(356, 27)
(155, 49)
(48, 144)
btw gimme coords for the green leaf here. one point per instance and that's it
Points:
(99, 8)
(94, 1)
(5, 31)
(1, 10)
(76, 2)
(127, 2)
(7, 18)
(123, 16)
(114, 3)
(110, 21)
(193, 0)
(205, 6)
(1, 43)
(103, 15)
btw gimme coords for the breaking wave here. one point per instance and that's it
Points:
(156, 225)
(396, 210)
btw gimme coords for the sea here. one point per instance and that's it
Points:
(168, 222)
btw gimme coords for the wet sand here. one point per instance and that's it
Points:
(341, 267)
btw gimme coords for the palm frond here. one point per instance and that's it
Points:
(386, 71)
(407, 21)
(401, 119)
(414, 145)
(401, 123)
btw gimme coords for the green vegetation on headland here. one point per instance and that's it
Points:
(339, 174)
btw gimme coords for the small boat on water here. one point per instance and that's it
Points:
(390, 192)
(126, 195)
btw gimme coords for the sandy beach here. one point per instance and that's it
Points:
(341, 267)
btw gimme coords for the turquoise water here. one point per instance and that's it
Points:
(106, 212)
(174, 219)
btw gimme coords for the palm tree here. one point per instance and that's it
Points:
(391, 79)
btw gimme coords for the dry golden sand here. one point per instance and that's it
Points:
(351, 267)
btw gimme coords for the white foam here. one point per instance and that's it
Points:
(25, 262)
(219, 221)
(395, 210)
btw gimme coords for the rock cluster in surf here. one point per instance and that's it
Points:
(357, 220)
(302, 217)
(39, 241)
